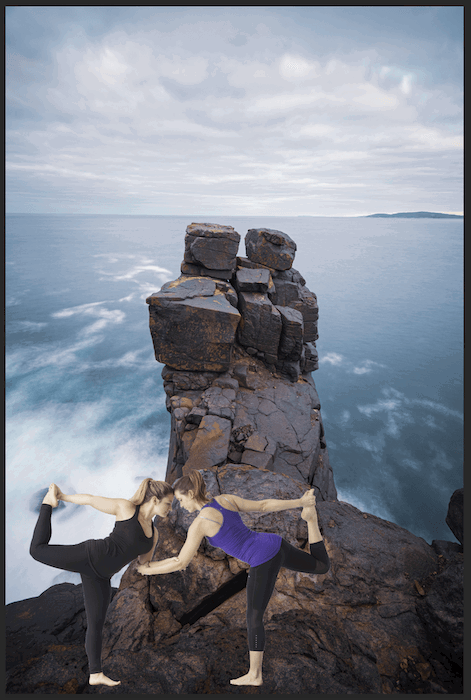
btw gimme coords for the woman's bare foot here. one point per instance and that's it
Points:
(309, 513)
(52, 496)
(248, 679)
(101, 679)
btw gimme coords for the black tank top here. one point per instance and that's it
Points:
(123, 544)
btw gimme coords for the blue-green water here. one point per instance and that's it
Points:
(85, 402)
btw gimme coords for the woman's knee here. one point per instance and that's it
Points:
(255, 618)
(36, 552)
(324, 567)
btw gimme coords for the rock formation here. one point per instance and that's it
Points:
(387, 618)
(239, 350)
(237, 337)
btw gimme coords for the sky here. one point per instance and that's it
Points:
(230, 110)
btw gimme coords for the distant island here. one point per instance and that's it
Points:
(417, 215)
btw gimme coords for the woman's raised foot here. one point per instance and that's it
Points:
(101, 679)
(248, 679)
(52, 496)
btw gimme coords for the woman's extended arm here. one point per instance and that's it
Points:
(196, 532)
(112, 506)
(273, 505)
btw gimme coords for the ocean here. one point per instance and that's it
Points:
(85, 405)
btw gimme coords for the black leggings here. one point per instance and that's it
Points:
(261, 582)
(96, 590)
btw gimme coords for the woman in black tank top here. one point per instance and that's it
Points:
(134, 535)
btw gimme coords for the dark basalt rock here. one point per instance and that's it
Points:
(260, 324)
(211, 247)
(269, 247)
(291, 342)
(192, 309)
(454, 518)
(386, 618)
(237, 336)
(253, 280)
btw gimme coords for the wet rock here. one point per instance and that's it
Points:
(271, 248)
(192, 325)
(454, 518)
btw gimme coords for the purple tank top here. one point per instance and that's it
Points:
(239, 541)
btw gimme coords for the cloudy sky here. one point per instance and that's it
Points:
(322, 111)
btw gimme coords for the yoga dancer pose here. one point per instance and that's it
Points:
(134, 535)
(265, 552)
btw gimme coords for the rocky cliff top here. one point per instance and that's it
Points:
(237, 338)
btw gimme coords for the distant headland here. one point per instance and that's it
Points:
(417, 215)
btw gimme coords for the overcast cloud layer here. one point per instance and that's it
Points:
(328, 111)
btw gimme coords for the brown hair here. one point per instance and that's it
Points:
(192, 482)
(150, 488)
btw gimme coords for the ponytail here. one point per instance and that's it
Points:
(192, 482)
(150, 488)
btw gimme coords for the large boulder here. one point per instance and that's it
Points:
(193, 325)
(260, 324)
(55, 617)
(454, 517)
(269, 247)
(254, 280)
(292, 334)
(211, 249)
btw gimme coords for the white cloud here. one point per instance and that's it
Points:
(153, 117)
(406, 84)
(293, 67)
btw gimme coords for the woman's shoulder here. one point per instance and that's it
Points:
(126, 509)
(227, 501)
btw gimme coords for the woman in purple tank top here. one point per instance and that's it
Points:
(220, 522)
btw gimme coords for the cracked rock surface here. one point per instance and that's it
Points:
(237, 340)
(373, 624)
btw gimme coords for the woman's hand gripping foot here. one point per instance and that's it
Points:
(52, 496)
(101, 679)
(309, 502)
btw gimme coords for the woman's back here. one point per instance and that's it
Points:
(123, 544)
(236, 539)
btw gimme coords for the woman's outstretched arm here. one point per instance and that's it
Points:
(273, 505)
(112, 506)
(196, 532)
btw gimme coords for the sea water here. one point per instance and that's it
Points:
(85, 400)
